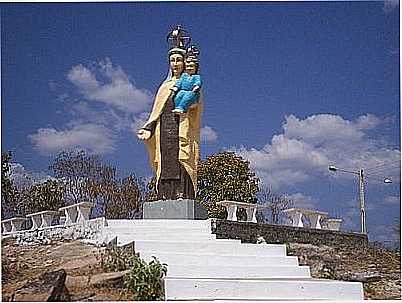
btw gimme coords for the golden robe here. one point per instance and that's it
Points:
(189, 134)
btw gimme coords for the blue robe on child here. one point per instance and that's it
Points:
(186, 97)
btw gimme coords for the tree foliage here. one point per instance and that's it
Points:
(126, 199)
(225, 176)
(44, 196)
(10, 204)
(30, 198)
(87, 178)
(79, 172)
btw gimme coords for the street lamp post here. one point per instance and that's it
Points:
(362, 209)
(359, 173)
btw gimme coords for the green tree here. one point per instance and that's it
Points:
(47, 195)
(126, 198)
(80, 172)
(225, 176)
(87, 178)
(9, 193)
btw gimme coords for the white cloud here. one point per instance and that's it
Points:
(390, 5)
(19, 176)
(23, 178)
(303, 201)
(91, 137)
(83, 113)
(278, 177)
(138, 122)
(95, 126)
(208, 134)
(393, 200)
(367, 121)
(321, 129)
(117, 91)
(307, 146)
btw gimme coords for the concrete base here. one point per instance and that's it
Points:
(174, 209)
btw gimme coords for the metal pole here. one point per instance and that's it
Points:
(362, 210)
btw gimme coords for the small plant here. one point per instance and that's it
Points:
(327, 272)
(145, 281)
(5, 269)
(114, 259)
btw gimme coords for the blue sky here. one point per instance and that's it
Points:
(291, 86)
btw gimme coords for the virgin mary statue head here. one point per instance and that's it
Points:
(176, 57)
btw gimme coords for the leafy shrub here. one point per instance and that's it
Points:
(327, 272)
(145, 281)
(114, 259)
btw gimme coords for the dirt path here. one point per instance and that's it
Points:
(21, 264)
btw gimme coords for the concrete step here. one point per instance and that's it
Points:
(157, 230)
(226, 249)
(211, 259)
(235, 272)
(266, 289)
(127, 238)
(162, 223)
(279, 301)
(162, 235)
(190, 235)
(219, 246)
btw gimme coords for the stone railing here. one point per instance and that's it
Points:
(296, 215)
(12, 225)
(314, 216)
(42, 219)
(74, 225)
(76, 214)
(232, 206)
(333, 224)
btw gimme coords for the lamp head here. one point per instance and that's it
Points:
(332, 168)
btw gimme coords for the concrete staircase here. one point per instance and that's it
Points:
(201, 267)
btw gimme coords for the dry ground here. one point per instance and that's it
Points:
(23, 263)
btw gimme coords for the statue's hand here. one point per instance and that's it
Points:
(143, 134)
(171, 95)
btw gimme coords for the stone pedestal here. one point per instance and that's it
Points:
(174, 209)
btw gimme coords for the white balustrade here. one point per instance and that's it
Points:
(42, 219)
(232, 206)
(77, 213)
(296, 215)
(13, 224)
(334, 224)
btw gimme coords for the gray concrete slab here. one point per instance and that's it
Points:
(174, 209)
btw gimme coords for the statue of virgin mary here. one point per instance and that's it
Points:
(173, 140)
